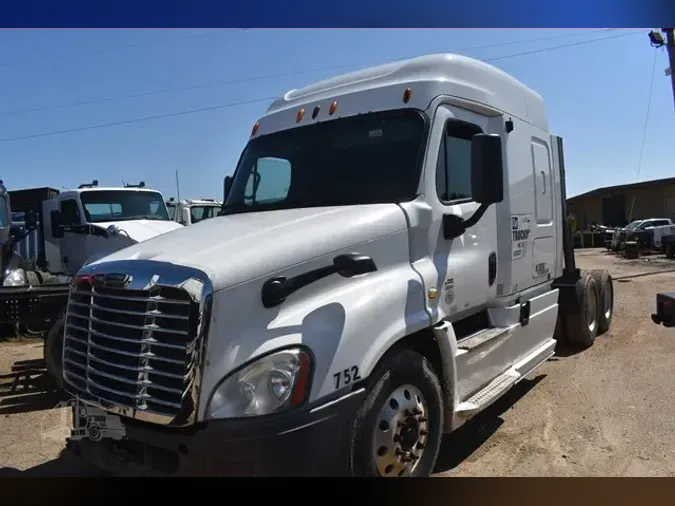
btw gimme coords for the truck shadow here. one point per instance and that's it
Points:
(27, 388)
(65, 465)
(462, 443)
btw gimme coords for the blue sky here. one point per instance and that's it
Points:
(596, 96)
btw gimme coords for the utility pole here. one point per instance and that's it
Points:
(657, 40)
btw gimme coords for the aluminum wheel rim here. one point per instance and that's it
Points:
(592, 310)
(401, 432)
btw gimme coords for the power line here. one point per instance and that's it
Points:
(117, 48)
(571, 44)
(137, 120)
(649, 105)
(644, 131)
(273, 76)
(233, 104)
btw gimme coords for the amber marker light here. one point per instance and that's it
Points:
(300, 115)
(406, 95)
(332, 108)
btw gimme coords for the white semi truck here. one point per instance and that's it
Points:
(391, 259)
(192, 211)
(73, 227)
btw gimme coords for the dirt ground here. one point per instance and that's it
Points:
(607, 411)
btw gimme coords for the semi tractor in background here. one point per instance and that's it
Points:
(67, 229)
(392, 256)
(189, 212)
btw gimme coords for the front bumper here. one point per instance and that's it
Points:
(35, 306)
(307, 442)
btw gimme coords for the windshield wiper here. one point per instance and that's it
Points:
(241, 207)
(142, 217)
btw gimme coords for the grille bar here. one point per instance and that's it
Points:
(150, 326)
(153, 312)
(131, 298)
(149, 340)
(137, 369)
(147, 383)
(134, 349)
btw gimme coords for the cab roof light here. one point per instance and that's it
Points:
(332, 108)
(255, 129)
(315, 112)
(406, 95)
(300, 115)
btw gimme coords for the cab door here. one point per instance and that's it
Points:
(74, 241)
(466, 266)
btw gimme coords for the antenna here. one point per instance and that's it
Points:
(177, 186)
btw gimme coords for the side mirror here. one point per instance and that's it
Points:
(30, 220)
(487, 169)
(185, 216)
(227, 184)
(55, 222)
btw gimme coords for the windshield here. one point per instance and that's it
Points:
(633, 224)
(122, 205)
(171, 208)
(367, 159)
(203, 212)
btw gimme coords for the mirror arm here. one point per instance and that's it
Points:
(454, 226)
(475, 217)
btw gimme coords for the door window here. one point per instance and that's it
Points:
(70, 213)
(453, 170)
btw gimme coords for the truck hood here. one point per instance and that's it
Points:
(142, 230)
(240, 247)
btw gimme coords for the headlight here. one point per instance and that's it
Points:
(17, 277)
(272, 383)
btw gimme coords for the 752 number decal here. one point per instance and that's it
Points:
(344, 378)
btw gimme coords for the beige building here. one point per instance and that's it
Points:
(617, 205)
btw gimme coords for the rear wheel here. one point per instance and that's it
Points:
(670, 249)
(582, 324)
(605, 299)
(397, 431)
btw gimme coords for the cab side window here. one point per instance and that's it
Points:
(70, 213)
(453, 169)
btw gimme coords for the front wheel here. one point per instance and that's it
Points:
(53, 349)
(398, 429)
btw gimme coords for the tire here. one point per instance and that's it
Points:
(53, 350)
(582, 325)
(396, 383)
(605, 299)
(670, 250)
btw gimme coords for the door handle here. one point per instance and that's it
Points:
(543, 178)
(492, 268)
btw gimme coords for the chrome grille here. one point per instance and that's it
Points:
(137, 350)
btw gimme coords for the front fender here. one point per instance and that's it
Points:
(347, 323)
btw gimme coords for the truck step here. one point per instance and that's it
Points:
(481, 337)
(489, 394)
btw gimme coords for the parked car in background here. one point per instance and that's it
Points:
(618, 238)
(643, 234)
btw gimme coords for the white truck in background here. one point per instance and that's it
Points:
(74, 227)
(392, 257)
(191, 211)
